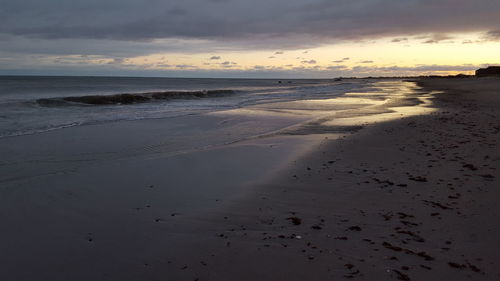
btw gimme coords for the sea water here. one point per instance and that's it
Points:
(35, 104)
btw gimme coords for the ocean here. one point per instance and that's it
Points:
(35, 104)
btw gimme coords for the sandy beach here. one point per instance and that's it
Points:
(409, 199)
(401, 190)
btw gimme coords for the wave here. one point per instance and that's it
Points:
(131, 98)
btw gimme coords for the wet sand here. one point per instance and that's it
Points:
(412, 198)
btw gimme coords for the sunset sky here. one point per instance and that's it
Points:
(241, 38)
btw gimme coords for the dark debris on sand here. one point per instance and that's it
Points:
(295, 220)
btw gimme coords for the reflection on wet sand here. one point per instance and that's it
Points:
(385, 101)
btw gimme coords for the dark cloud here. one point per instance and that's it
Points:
(366, 61)
(183, 66)
(163, 65)
(215, 58)
(279, 53)
(309, 61)
(337, 67)
(117, 61)
(397, 40)
(242, 19)
(228, 63)
(342, 60)
(493, 35)
(259, 67)
(436, 38)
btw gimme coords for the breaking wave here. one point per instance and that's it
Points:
(133, 98)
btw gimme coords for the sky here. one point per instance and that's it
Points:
(248, 39)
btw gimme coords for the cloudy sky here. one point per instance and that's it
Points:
(242, 38)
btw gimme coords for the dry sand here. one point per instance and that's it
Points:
(415, 198)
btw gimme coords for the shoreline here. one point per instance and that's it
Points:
(330, 214)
